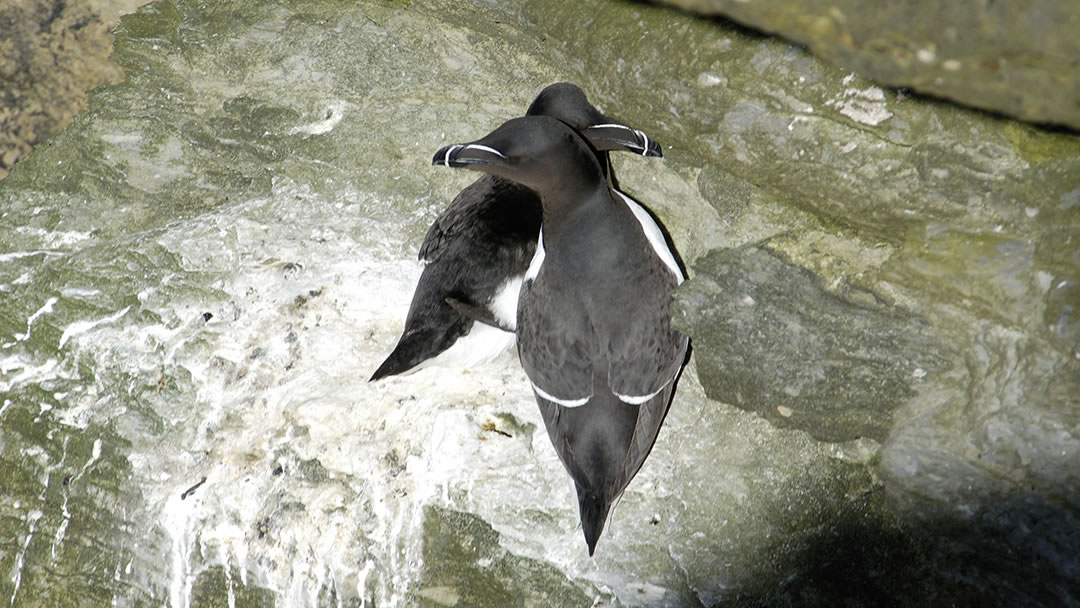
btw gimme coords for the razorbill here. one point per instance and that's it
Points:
(476, 252)
(593, 320)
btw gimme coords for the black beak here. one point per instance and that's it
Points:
(463, 155)
(616, 136)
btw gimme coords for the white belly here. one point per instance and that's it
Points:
(482, 344)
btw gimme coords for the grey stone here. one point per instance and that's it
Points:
(770, 339)
(464, 565)
(1020, 59)
(913, 266)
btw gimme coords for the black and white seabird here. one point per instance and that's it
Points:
(593, 321)
(477, 251)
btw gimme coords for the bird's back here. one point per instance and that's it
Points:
(483, 240)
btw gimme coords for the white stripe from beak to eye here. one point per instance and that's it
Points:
(640, 134)
(486, 149)
(446, 159)
(563, 402)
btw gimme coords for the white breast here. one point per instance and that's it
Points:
(505, 303)
(482, 344)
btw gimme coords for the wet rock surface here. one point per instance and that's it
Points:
(1018, 59)
(883, 300)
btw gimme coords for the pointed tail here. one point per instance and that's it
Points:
(593, 508)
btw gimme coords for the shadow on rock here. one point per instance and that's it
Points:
(1018, 551)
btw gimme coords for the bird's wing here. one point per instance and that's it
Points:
(557, 345)
(645, 361)
(473, 206)
(476, 313)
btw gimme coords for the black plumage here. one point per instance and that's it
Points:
(477, 250)
(594, 323)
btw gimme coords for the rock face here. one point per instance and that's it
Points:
(1020, 59)
(777, 343)
(51, 53)
(200, 273)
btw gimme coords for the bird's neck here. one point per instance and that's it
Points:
(568, 204)
(590, 236)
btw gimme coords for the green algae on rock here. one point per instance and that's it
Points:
(923, 258)
(465, 565)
